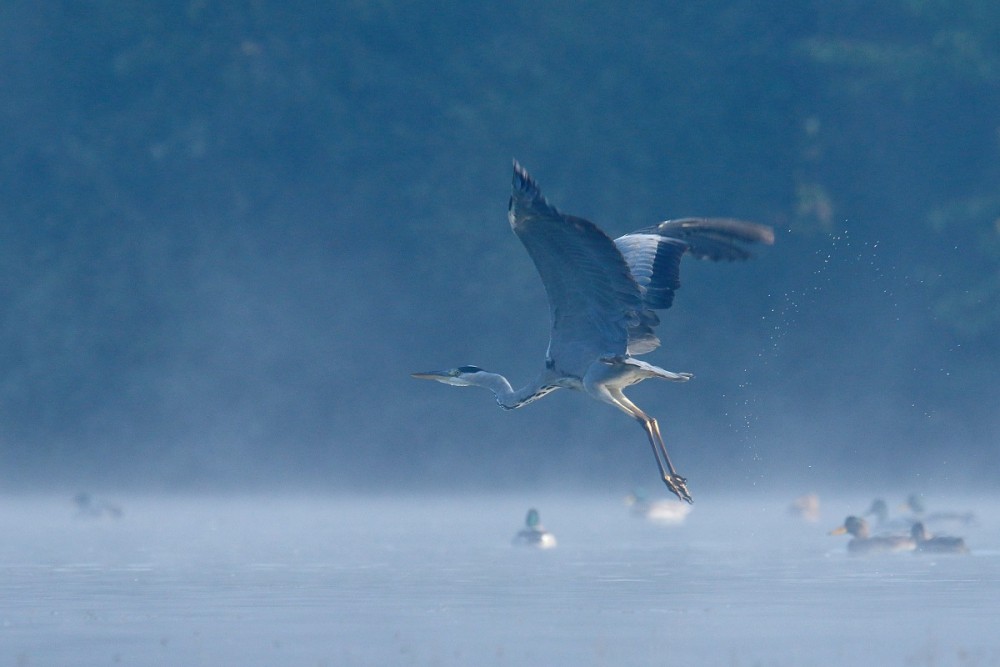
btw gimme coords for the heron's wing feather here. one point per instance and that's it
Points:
(594, 302)
(655, 263)
(654, 254)
(714, 238)
(654, 257)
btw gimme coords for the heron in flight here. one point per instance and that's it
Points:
(603, 295)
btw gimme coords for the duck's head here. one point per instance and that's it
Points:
(879, 509)
(914, 503)
(638, 496)
(854, 526)
(918, 532)
(532, 519)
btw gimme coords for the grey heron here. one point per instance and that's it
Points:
(603, 295)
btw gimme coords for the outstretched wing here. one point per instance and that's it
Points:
(714, 238)
(654, 256)
(594, 301)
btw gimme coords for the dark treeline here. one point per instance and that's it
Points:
(229, 231)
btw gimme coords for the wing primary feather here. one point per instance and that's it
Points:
(526, 198)
(655, 264)
(714, 238)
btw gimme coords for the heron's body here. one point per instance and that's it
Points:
(603, 295)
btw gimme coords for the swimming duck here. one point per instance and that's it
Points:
(661, 511)
(915, 505)
(805, 507)
(927, 543)
(534, 534)
(880, 510)
(89, 507)
(863, 543)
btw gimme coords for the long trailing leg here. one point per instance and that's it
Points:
(674, 482)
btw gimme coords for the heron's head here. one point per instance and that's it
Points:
(463, 376)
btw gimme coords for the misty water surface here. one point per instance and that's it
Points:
(431, 580)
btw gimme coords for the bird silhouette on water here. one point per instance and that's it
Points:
(862, 541)
(534, 534)
(927, 543)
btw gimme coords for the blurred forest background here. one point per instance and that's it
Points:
(229, 232)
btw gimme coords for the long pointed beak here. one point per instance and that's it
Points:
(430, 375)
(840, 530)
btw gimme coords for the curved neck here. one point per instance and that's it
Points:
(508, 398)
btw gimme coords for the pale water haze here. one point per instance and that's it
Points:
(435, 580)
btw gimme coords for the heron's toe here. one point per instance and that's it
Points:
(678, 485)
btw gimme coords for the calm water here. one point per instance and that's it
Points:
(435, 581)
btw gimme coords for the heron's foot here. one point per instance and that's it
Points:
(678, 486)
(678, 377)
